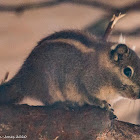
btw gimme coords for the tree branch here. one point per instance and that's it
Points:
(91, 3)
(24, 7)
(57, 123)
(111, 25)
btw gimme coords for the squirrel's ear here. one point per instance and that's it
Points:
(120, 51)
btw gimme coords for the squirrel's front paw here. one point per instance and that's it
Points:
(107, 106)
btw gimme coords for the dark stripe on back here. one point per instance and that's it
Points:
(70, 34)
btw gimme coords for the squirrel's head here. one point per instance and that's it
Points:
(120, 73)
(128, 64)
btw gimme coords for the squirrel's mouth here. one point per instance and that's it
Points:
(135, 97)
(130, 92)
(130, 95)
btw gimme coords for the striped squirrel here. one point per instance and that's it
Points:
(75, 67)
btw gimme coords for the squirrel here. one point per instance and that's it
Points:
(75, 67)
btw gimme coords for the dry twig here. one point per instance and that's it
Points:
(111, 25)
(5, 78)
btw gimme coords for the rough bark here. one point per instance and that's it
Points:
(57, 123)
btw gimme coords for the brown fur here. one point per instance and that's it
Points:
(76, 67)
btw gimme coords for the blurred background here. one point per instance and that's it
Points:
(24, 22)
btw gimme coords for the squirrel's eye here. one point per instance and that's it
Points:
(128, 71)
